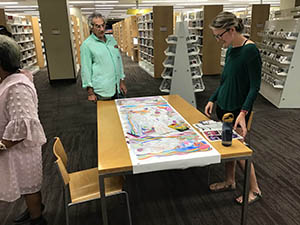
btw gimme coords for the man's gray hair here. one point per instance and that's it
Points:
(95, 15)
(10, 54)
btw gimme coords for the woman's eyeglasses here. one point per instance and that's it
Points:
(219, 36)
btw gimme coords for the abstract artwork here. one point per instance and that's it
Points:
(158, 137)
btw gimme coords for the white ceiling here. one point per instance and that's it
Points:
(118, 8)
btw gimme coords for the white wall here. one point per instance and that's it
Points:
(287, 4)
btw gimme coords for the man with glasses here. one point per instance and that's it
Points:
(101, 63)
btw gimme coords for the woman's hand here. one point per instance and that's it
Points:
(209, 108)
(240, 120)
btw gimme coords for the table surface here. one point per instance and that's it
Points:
(113, 153)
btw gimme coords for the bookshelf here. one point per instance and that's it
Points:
(153, 28)
(131, 34)
(116, 32)
(22, 30)
(280, 51)
(182, 67)
(39, 45)
(198, 24)
(76, 40)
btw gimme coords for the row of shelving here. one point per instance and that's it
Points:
(146, 40)
(182, 72)
(126, 32)
(198, 26)
(280, 52)
(198, 85)
(194, 62)
(76, 41)
(23, 29)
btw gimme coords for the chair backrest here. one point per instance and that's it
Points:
(62, 159)
(250, 121)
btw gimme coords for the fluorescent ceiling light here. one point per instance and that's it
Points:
(91, 2)
(9, 3)
(20, 6)
(104, 8)
(97, 8)
(14, 10)
(113, 5)
(199, 3)
(120, 10)
(120, 5)
(157, 1)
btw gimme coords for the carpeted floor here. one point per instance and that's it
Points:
(168, 197)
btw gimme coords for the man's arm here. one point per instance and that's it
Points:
(86, 71)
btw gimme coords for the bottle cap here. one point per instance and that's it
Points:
(228, 118)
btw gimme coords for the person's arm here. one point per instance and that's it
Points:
(23, 123)
(254, 65)
(209, 106)
(86, 71)
(214, 96)
(6, 144)
(254, 71)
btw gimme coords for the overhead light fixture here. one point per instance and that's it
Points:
(113, 5)
(14, 10)
(99, 8)
(126, 5)
(84, 9)
(9, 3)
(20, 6)
(92, 2)
(188, 1)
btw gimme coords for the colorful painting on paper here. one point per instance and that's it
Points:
(154, 131)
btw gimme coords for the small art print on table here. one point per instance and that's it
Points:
(212, 130)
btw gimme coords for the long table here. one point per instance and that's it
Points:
(114, 158)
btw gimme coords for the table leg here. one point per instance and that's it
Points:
(103, 200)
(246, 191)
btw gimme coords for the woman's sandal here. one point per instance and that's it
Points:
(257, 196)
(222, 186)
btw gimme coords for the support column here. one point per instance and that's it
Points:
(55, 21)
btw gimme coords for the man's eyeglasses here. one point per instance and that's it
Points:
(99, 25)
(219, 36)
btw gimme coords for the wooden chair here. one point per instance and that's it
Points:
(83, 186)
(249, 127)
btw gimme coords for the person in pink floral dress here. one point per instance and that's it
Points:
(21, 135)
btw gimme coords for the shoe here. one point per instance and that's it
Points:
(38, 221)
(257, 196)
(220, 187)
(24, 217)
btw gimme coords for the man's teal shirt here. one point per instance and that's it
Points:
(101, 65)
